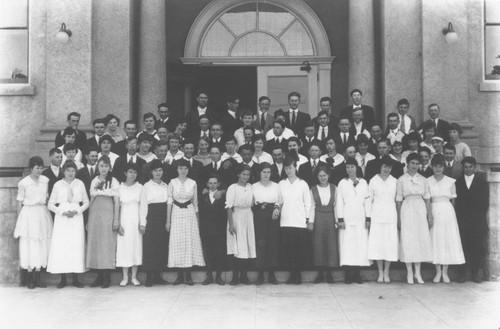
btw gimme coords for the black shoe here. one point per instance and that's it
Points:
(244, 278)
(180, 279)
(158, 278)
(209, 279)
(63, 282)
(218, 279)
(98, 280)
(329, 277)
(320, 278)
(461, 275)
(291, 279)
(298, 278)
(260, 279)
(348, 276)
(189, 279)
(30, 282)
(272, 278)
(357, 277)
(106, 280)
(75, 281)
(149, 279)
(475, 276)
(235, 280)
(38, 282)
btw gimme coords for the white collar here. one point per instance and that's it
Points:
(312, 161)
(202, 109)
(296, 110)
(54, 168)
(356, 106)
(231, 113)
(133, 157)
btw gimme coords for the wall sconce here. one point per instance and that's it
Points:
(63, 35)
(449, 34)
(306, 67)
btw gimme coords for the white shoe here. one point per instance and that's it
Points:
(386, 278)
(124, 282)
(446, 279)
(409, 278)
(380, 279)
(420, 280)
(136, 282)
(437, 278)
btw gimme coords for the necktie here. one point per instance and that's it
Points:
(130, 161)
(345, 139)
(435, 123)
(314, 165)
(277, 141)
(403, 129)
(449, 165)
(262, 121)
(323, 135)
(363, 162)
(91, 171)
(293, 120)
(215, 166)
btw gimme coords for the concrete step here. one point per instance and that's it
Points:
(397, 274)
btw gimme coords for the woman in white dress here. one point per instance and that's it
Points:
(414, 219)
(383, 237)
(241, 232)
(446, 243)
(67, 251)
(261, 156)
(34, 223)
(184, 249)
(353, 203)
(129, 240)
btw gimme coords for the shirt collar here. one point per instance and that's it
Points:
(296, 110)
(231, 113)
(54, 168)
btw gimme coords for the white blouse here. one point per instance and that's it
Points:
(337, 159)
(152, 193)
(267, 194)
(183, 192)
(296, 203)
(64, 192)
(264, 157)
(112, 157)
(239, 196)
(325, 194)
(148, 157)
(32, 193)
(130, 194)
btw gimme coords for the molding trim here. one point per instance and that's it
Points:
(17, 89)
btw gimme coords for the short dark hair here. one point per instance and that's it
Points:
(428, 126)
(107, 138)
(246, 147)
(68, 131)
(384, 140)
(345, 117)
(392, 115)
(35, 161)
(201, 91)
(356, 91)
(246, 113)
(241, 167)
(413, 136)
(278, 147)
(155, 164)
(264, 98)
(470, 160)
(264, 165)
(362, 138)
(232, 98)
(386, 160)
(293, 93)
(294, 139)
(290, 161)
(188, 141)
(130, 122)
(437, 159)
(325, 99)
(162, 105)
(54, 151)
(100, 120)
(203, 116)
(449, 146)
(131, 165)
(322, 168)
(148, 115)
(73, 114)
(258, 137)
(68, 164)
(323, 112)
(424, 149)
(110, 117)
(279, 112)
(455, 126)
(181, 163)
(69, 147)
(231, 139)
(413, 156)
(92, 148)
(280, 122)
(403, 101)
(216, 176)
(433, 104)
(161, 143)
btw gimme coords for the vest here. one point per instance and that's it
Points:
(317, 200)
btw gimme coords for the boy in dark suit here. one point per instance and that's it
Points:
(120, 147)
(368, 112)
(343, 137)
(201, 109)
(230, 120)
(309, 139)
(81, 138)
(195, 166)
(452, 168)
(277, 138)
(306, 170)
(373, 166)
(130, 157)
(425, 169)
(213, 226)
(89, 171)
(263, 121)
(295, 119)
(54, 172)
(277, 169)
(99, 130)
(472, 207)
(442, 127)
(246, 151)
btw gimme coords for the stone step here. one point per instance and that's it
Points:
(397, 274)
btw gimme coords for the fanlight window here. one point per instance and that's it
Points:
(257, 29)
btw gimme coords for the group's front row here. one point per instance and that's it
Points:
(265, 226)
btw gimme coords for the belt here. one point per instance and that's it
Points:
(182, 204)
(440, 199)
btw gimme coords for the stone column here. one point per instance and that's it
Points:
(362, 49)
(152, 57)
(493, 261)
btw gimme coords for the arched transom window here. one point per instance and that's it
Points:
(257, 29)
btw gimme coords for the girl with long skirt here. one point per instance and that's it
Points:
(353, 213)
(67, 251)
(414, 219)
(103, 223)
(383, 237)
(184, 250)
(153, 220)
(325, 242)
(34, 223)
(129, 240)
(267, 198)
(295, 212)
(445, 235)
(241, 232)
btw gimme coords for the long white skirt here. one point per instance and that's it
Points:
(129, 245)
(353, 242)
(67, 250)
(383, 239)
(34, 230)
(242, 245)
(415, 238)
(446, 243)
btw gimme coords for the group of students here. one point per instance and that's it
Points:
(261, 201)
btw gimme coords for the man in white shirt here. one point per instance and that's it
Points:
(54, 172)
(164, 118)
(358, 125)
(149, 122)
(277, 170)
(99, 130)
(393, 133)
(295, 119)
(263, 121)
(452, 168)
(406, 122)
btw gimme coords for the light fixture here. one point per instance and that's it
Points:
(63, 35)
(449, 34)
(306, 67)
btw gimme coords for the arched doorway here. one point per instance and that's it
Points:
(283, 39)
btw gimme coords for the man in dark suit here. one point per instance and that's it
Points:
(472, 207)
(195, 166)
(202, 130)
(392, 132)
(120, 147)
(373, 166)
(376, 134)
(277, 137)
(325, 104)
(165, 118)
(368, 112)
(54, 172)
(306, 170)
(89, 171)
(343, 137)
(295, 119)
(442, 127)
(99, 130)
(81, 138)
(309, 139)
(452, 168)
(277, 168)
(323, 127)
(193, 115)
(225, 169)
(230, 120)
(130, 157)
(246, 151)
(358, 126)
(425, 169)
(263, 121)
(217, 136)
(406, 122)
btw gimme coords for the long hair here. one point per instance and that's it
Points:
(109, 176)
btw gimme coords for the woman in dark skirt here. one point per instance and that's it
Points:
(267, 198)
(325, 242)
(153, 219)
(103, 223)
